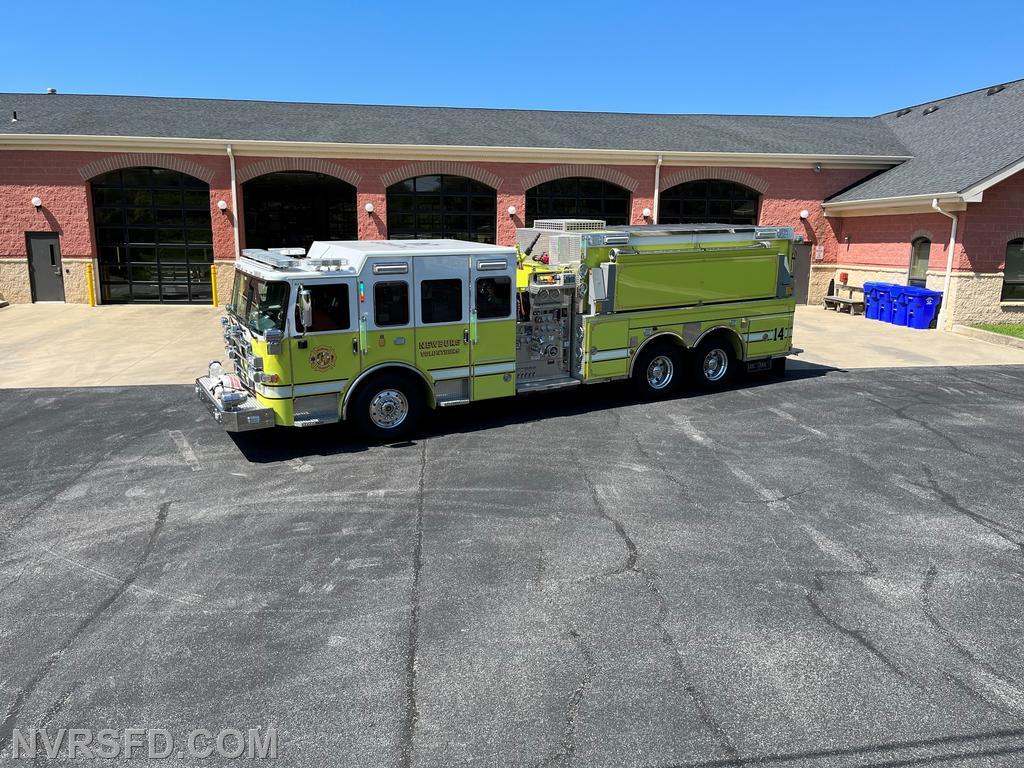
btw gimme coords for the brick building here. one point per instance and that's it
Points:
(156, 193)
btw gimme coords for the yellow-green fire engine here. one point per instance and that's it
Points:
(375, 332)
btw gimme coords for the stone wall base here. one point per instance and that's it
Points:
(225, 279)
(14, 282)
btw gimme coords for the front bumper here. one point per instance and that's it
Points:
(246, 416)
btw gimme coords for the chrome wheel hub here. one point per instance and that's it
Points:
(388, 409)
(716, 364)
(659, 372)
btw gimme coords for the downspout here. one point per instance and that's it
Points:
(944, 309)
(234, 201)
(657, 189)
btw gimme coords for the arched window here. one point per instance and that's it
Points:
(919, 251)
(442, 206)
(1013, 272)
(292, 209)
(578, 197)
(154, 236)
(708, 201)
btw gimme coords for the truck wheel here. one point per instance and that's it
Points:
(387, 407)
(713, 363)
(657, 370)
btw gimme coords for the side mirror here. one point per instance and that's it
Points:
(305, 309)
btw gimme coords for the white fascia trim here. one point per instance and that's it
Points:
(894, 203)
(41, 141)
(973, 194)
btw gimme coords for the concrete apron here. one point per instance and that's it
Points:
(74, 345)
(840, 341)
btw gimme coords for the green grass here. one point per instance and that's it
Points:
(1010, 329)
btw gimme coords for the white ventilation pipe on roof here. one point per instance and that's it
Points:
(234, 201)
(944, 308)
(657, 190)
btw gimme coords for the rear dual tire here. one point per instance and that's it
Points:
(660, 369)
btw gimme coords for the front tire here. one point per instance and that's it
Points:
(713, 363)
(657, 371)
(388, 407)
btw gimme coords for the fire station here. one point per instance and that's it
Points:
(114, 199)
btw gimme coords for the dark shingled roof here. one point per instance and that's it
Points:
(67, 114)
(967, 139)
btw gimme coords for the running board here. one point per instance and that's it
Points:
(541, 386)
(446, 403)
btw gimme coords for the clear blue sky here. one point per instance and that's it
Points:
(823, 57)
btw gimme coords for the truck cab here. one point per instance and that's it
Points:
(426, 323)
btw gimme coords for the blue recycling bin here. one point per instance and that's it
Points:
(922, 306)
(884, 302)
(871, 300)
(899, 304)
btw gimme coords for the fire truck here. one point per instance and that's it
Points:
(376, 332)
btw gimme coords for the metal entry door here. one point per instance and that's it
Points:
(801, 271)
(44, 267)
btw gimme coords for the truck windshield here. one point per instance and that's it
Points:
(259, 304)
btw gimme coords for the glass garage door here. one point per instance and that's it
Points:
(154, 236)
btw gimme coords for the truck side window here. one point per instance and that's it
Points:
(441, 301)
(493, 297)
(391, 304)
(330, 308)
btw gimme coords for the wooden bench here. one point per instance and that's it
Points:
(848, 303)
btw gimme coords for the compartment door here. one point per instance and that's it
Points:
(492, 326)
(441, 305)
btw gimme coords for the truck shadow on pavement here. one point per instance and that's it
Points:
(283, 444)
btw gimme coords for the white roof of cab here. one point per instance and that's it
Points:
(347, 257)
(400, 248)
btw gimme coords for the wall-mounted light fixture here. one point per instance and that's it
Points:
(368, 208)
(646, 212)
(511, 210)
(817, 167)
(222, 205)
(37, 203)
(805, 214)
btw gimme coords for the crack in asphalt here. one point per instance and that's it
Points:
(854, 634)
(567, 750)
(412, 714)
(964, 651)
(953, 503)
(650, 585)
(26, 691)
(919, 401)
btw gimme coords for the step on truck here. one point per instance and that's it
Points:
(376, 332)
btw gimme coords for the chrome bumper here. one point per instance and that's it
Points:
(244, 417)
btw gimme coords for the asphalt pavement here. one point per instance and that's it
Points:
(822, 571)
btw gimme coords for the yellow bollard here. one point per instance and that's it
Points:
(90, 285)
(213, 283)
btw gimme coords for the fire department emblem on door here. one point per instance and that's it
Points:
(322, 358)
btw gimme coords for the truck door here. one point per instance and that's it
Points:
(442, 324)
(325, 357)
(386, 322)
(492, 322)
